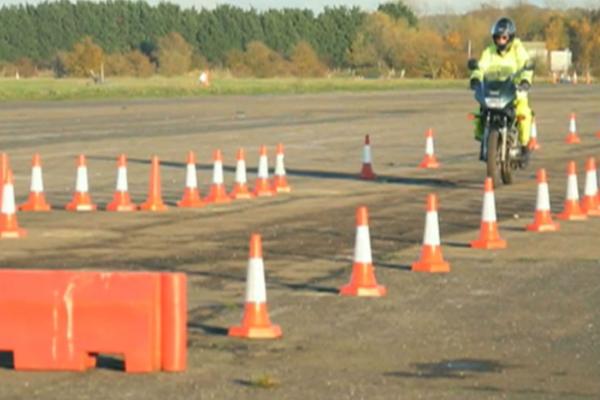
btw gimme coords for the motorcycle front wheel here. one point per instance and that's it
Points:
(496, 169)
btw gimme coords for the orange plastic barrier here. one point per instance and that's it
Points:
(59, 320)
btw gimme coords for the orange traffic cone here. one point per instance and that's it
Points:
(9, 227)
(262, 186)
(533, 142)
(429, 161)
(256, 323)
(280, 183)
(363, 282)
(431, 259)
(4, 167)
(82, 200)
(572, 210)
(217, 193)
(121, 198)
(489, 238)
(367, 168)
(240, 188)
(598, 133)
(191, 195)
(154, 202)
(590, 203)
(36, 200)
(542, 221)
(572, 137)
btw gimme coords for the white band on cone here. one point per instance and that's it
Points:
(256, 291)
(362, 245)
(534, 130)
(122, 185)
(543, 197)
(591, 183)
(572, 189)
(367, 154)
(431, 236)
(279, 166)
(240, 171)
(8, 199)
(81, 184)
(37, 184)
(191, 181)
(263, 167)
(429, 146)
(573, 126)
(488, 213)
(218, 172)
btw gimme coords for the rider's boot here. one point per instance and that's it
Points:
(525, 153)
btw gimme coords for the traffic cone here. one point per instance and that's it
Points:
(431, 259)
(280, 183)
(542, 221)
(4, 167)
(121, 198)
(489, 238)
(9, 226)
(598, 133)
(240, 188)
(217, 193)
(362, 282)
(262, 187)
(36, 200)
(367, 168)
(572, 210)
(429, 161)
(533, 142)
(256, 323)
(82, 200)
(572, 137)
(590, 203)
(154, 202)
(191, 195)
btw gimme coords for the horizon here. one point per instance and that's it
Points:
(423, 7)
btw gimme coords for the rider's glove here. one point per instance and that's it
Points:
(524, 86)
(474, 83)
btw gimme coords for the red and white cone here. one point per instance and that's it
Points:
(431, 259)
(572, 136)
(255, 322)
(82, 200)
(217, 193)
(572, 210)
(240, 188)
(191, 195)
(598, 133)
(533, 142)
(262, 186)
(429, 161)
(36, 200)
(363, 282)
(121, 198)
(489, 238)
(367, 161)
(4, 167)
(9, 226)
(542, 221)
(280, 183)
(590, 203)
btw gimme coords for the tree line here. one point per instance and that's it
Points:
(135, 38)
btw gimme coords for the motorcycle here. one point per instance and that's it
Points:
(500, 147)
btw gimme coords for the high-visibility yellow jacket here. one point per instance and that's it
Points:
(501, 65)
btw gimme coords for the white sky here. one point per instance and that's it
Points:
(421, 6)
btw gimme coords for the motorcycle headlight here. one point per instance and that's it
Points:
(493, 102)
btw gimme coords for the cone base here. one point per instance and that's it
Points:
(121, 207)
(533, 145)
(81, 207)
(429, 163)
(598, 134)
(217, 195)
(262, 188)
(256, 332)
(367, 173)
(242, 196)
(489, 244)
(282, 189)
(37, 206)
(572, 139)
(434, 267)
(153, 206)
(543, 227)
(15, 233)
(572, 212)
(363, 291)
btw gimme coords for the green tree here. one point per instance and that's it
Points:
(399, 10)
(174, 55)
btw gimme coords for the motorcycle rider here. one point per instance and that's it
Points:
(506, 56)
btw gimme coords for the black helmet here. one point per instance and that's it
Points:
(504, 27)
